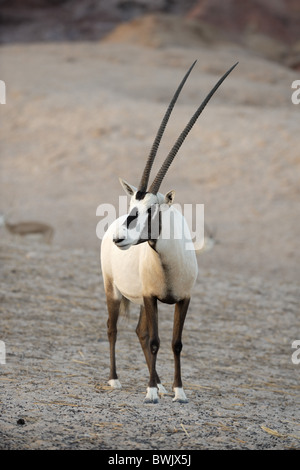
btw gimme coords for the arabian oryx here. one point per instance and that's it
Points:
(140, 265)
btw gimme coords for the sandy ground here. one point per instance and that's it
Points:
(242, 386)
(77, 117)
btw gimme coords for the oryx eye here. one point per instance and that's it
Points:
(131, 219)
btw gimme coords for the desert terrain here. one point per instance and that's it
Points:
(77, 116)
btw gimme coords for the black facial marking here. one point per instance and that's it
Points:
(140, 195)
(154, 224)
(152, 228)
(132, 218)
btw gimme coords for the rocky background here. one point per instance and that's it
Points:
(266, 26)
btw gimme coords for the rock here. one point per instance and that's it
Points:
(159, 30)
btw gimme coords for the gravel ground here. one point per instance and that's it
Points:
(242, 385)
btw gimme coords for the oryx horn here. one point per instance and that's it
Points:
(145, 178)
(164, 168)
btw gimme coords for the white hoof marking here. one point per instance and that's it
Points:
(114, 383)
(151, 396)
(161, 389)
(180, 396)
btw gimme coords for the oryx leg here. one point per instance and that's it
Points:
(150, 304)
(144, 338)
(113, 307)
(179, 317)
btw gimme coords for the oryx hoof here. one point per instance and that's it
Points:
(161, 389)
(180, 396)
(151, 396)
(114, 383)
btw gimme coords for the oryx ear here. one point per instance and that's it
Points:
(128, 188)
(169, 197)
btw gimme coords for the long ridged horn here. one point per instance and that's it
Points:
(164, 168)
(145, 178)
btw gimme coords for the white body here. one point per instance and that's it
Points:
(168, 272)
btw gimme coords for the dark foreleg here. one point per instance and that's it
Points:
(113, 306)
(179, 317)
(143, 335)
(150, 305)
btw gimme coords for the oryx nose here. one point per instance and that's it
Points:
(118, 240)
